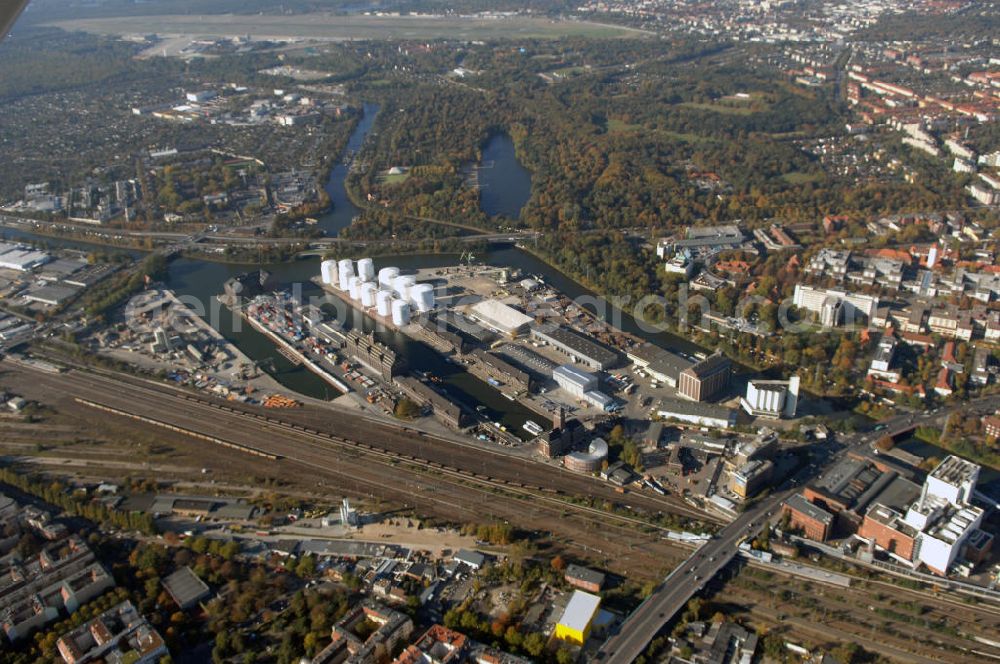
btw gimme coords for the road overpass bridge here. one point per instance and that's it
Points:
(674, 592)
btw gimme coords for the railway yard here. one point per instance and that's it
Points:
(463, 482)
(896, 622)
(428, 480)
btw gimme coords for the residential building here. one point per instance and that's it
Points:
(30, 611)
(829, 263)
(991, 426)
(120, 634)
(354, 643)
(438, 645)
(846, 306)
(881, 364)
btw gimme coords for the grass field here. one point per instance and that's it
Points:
(620, 127)
(329, 27)
(798, 177)
(395, 178)
(731, 108)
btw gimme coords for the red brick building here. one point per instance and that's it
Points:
(584, 578)
(991, 426)
(885, 527)
(814, 521)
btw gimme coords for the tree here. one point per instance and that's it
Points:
(885, 443)
(306, 567)
(513, 637)
(407, 409)
(564, 656)
(534, 644)
(310, 642)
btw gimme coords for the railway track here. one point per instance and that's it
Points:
(483, 456)
(618, 534)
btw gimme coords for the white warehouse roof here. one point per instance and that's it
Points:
(15, 257)
(500, 317)
(580, 611)
(578, 377)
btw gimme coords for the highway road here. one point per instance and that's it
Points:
(192, 240)
(632, 637)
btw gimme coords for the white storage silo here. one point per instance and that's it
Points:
(366, 269)
(326, 271)
(400, 313)
(354, 287)
(422, 297)
(402, 286)
(385, 277)
(368, 290)
(383, 302)
(345, 270)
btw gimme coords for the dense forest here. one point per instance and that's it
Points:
(613, 146)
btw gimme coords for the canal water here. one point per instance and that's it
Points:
(506, 188)
(504, 184)
(200, 281)
(344, 211)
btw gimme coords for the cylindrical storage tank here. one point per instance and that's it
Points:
(402, 286)
(366, 269)
(345, 270)
(383, 302)
(368, 290)
(385, 277)
(326, 271)
(400, 313)
(422, 297)
(354, 287)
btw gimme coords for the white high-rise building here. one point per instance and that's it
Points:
(953, 480)
(944, 515)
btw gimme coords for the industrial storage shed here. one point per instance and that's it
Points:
(500, 317)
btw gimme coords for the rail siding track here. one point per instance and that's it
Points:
(521, 490)
(161, 390)
(246, 449)
(525, 492)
